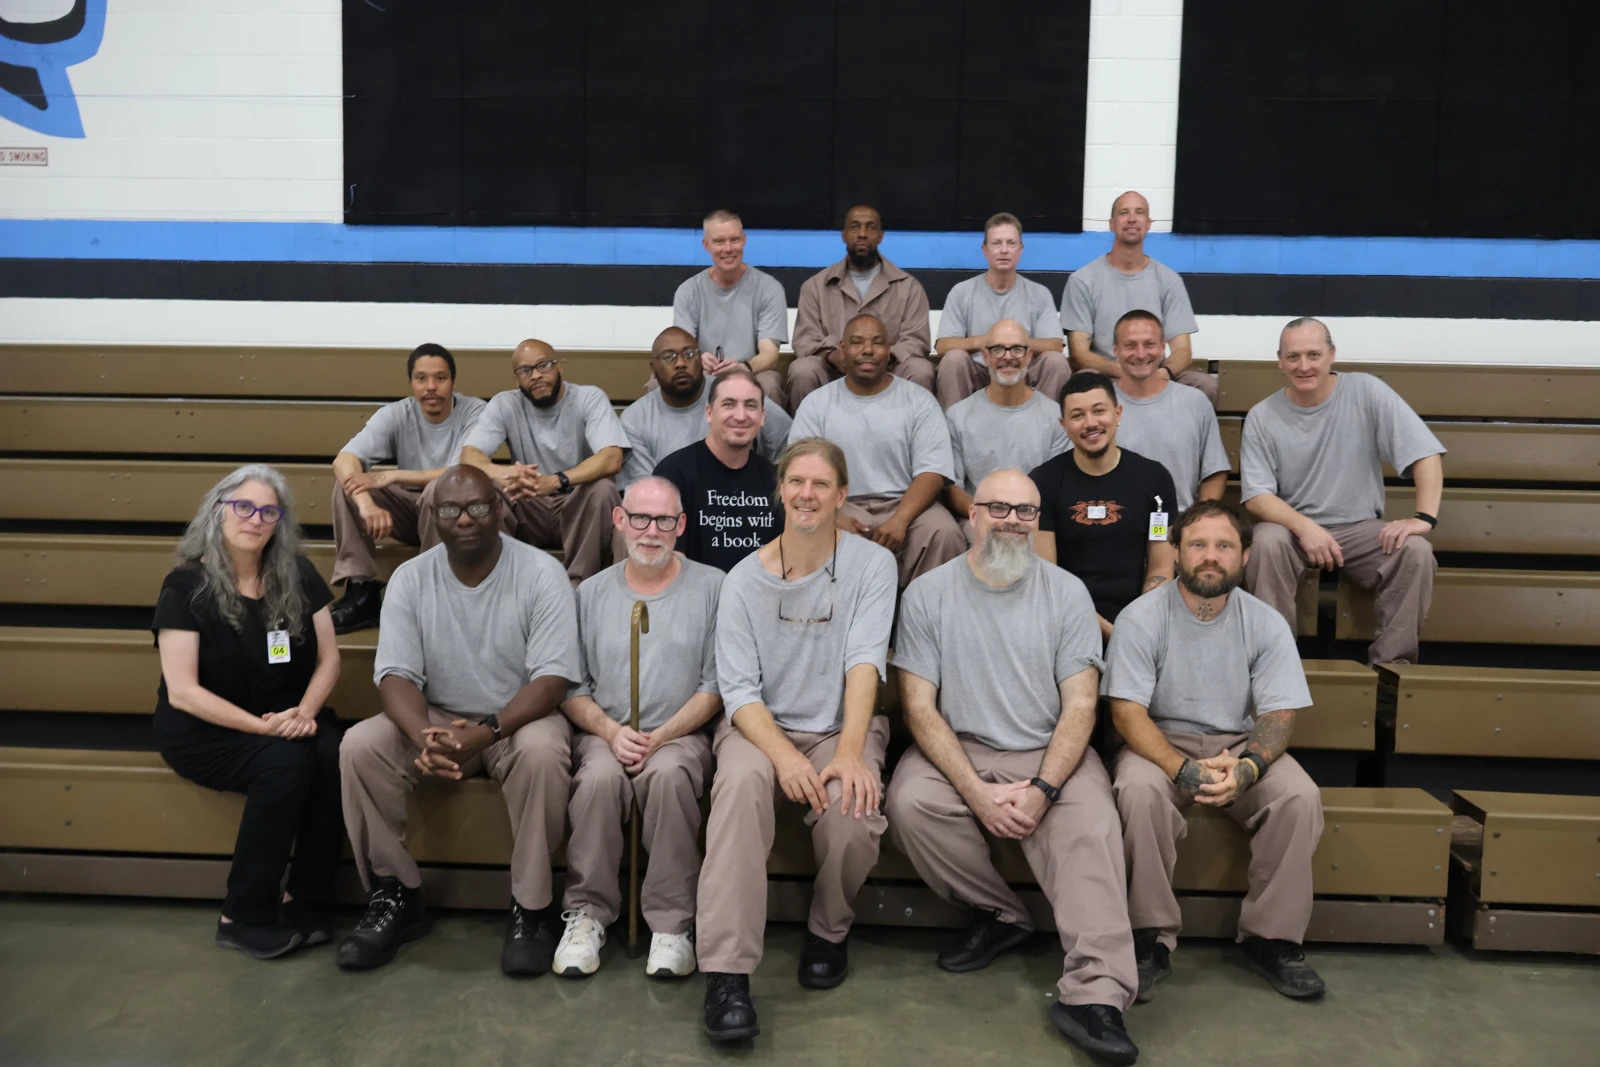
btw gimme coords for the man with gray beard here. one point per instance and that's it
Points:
(999, 658)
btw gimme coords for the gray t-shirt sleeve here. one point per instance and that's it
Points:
(399, 632)
(553, 632)
(953, 319)
(958, 463)
(1177, 315)
(1077, 305)
(641, 457)
(930, 441)
(490, 432)
(807, 418)
(378, 440)
(772, 311)
(583, 684)
(686, 306)
(1258, 468)
(1079, 645)
(1213, 454)
(601, 427)
(1045, 322)
(1130, 662)
(1277, 678)
(709, 683)
(738, 660)
(868, 640)
(916, 641)
(1403, 438)
(774, 432)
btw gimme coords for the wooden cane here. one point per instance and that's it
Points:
(641, 625)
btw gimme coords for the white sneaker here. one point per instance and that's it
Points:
(578, 954)
(671, 956)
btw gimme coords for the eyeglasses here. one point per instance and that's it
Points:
(270, 513)
(452, 512)
(544, 367)
(999, 509)
(833, 576)
(996, 351)
(667, 359)
(663, 522)
(784, 618)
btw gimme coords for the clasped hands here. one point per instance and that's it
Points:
(522, 481)
(632, 748)
(1221, 780)
(1012, 810)
(290, 724)
(804, 784)
(443, 749)
(890, 533)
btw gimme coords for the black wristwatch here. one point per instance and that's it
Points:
(566, 483)
(1431, 520)
(1259, 763)
(493, 723)
(1047, 789)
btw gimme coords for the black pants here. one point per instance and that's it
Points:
(291, 791)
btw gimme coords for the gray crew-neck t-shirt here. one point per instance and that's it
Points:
(1326, 462)
(793, 665)
(471, 648)
(998, 656)
(986, 437)
(400, 433)
(677, 658)
(736, 319)
(1098, 294)
(656, 430)
(973, 306)
(1204, 677)
(862, 279)
(888, 438)
(556, 438)
(1178, 429)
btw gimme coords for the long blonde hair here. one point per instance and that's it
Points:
(203, 546)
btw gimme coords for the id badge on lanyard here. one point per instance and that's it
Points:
(1158, 523)
(277, 646)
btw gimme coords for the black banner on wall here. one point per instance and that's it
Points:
(652, 112)
(1389, 117)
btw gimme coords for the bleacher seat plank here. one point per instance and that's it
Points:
(1537, 849)
(1520, 607)
(1444, 390)
(1484, 711)
(1344, 700)
(1527, 521)
(243, 428)
(284, 371)
(76, 490)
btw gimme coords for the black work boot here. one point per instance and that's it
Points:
(1284, 965)
(394, 916)
(823, 964)
(983, 941)
(531, 938)
(358, 608)
(1097, 1029)
(730, 1014)
(1153, 960)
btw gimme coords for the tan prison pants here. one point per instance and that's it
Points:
(1075, 853)
(669, 790)
(807, 374)
(959, 376)
(533, 767)
(732, 916)
(932, 538)
(355, 554)
(1283, 812)
(577, 521)
(1403, 580)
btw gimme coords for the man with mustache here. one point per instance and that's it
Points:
(1007, 424)
(974, 306)
(1204, 682)
(739, 313)
(898, 445)
(863, 283)
(666, 762)
(999, 660)
(1106, 508)
(566, 446)
(802, 635)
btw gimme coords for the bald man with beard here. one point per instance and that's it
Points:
(999, 658)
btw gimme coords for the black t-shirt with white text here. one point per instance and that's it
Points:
(1102, 522)
(731, 513)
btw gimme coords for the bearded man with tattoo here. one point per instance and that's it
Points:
(1204, 681)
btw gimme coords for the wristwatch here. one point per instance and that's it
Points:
(1047, 789)
(1259, 763)
(493, 723)
(566, 483)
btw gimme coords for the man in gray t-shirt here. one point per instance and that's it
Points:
(1106, 288)
(1174, 427)
(665, 763)
(479, 641)
(1311, 467)
(421, 436)
(566, 447)
(898, 446)
(973, 307)
(740, 314)
(999, 661)
(1204, 682)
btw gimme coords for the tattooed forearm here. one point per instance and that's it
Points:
(1192, 775)
(1155, 580)
(1270, 737)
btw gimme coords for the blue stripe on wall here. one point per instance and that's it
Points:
(338, 243)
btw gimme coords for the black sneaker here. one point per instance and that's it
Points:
(358, 608)
(394, 916)
(823, 964)
(1097, 1029)
(984, 940)
(531, 938)
(730, 1014)
(1284, 965)
(1153, 960)
(259, 942)
(313, 922)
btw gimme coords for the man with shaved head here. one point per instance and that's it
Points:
(673, 416)
(1007, 424)
(1125, 278)
(666, 763)
(863, 282)
(566, 446)
(477, 644)
(999, 658)
(898, 445)
(739, 313)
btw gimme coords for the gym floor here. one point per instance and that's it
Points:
(96, 981)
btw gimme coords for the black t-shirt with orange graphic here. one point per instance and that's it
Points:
(1102, 522)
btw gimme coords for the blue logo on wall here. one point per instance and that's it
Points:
(34, 57)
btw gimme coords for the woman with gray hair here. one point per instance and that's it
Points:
(248, 655)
